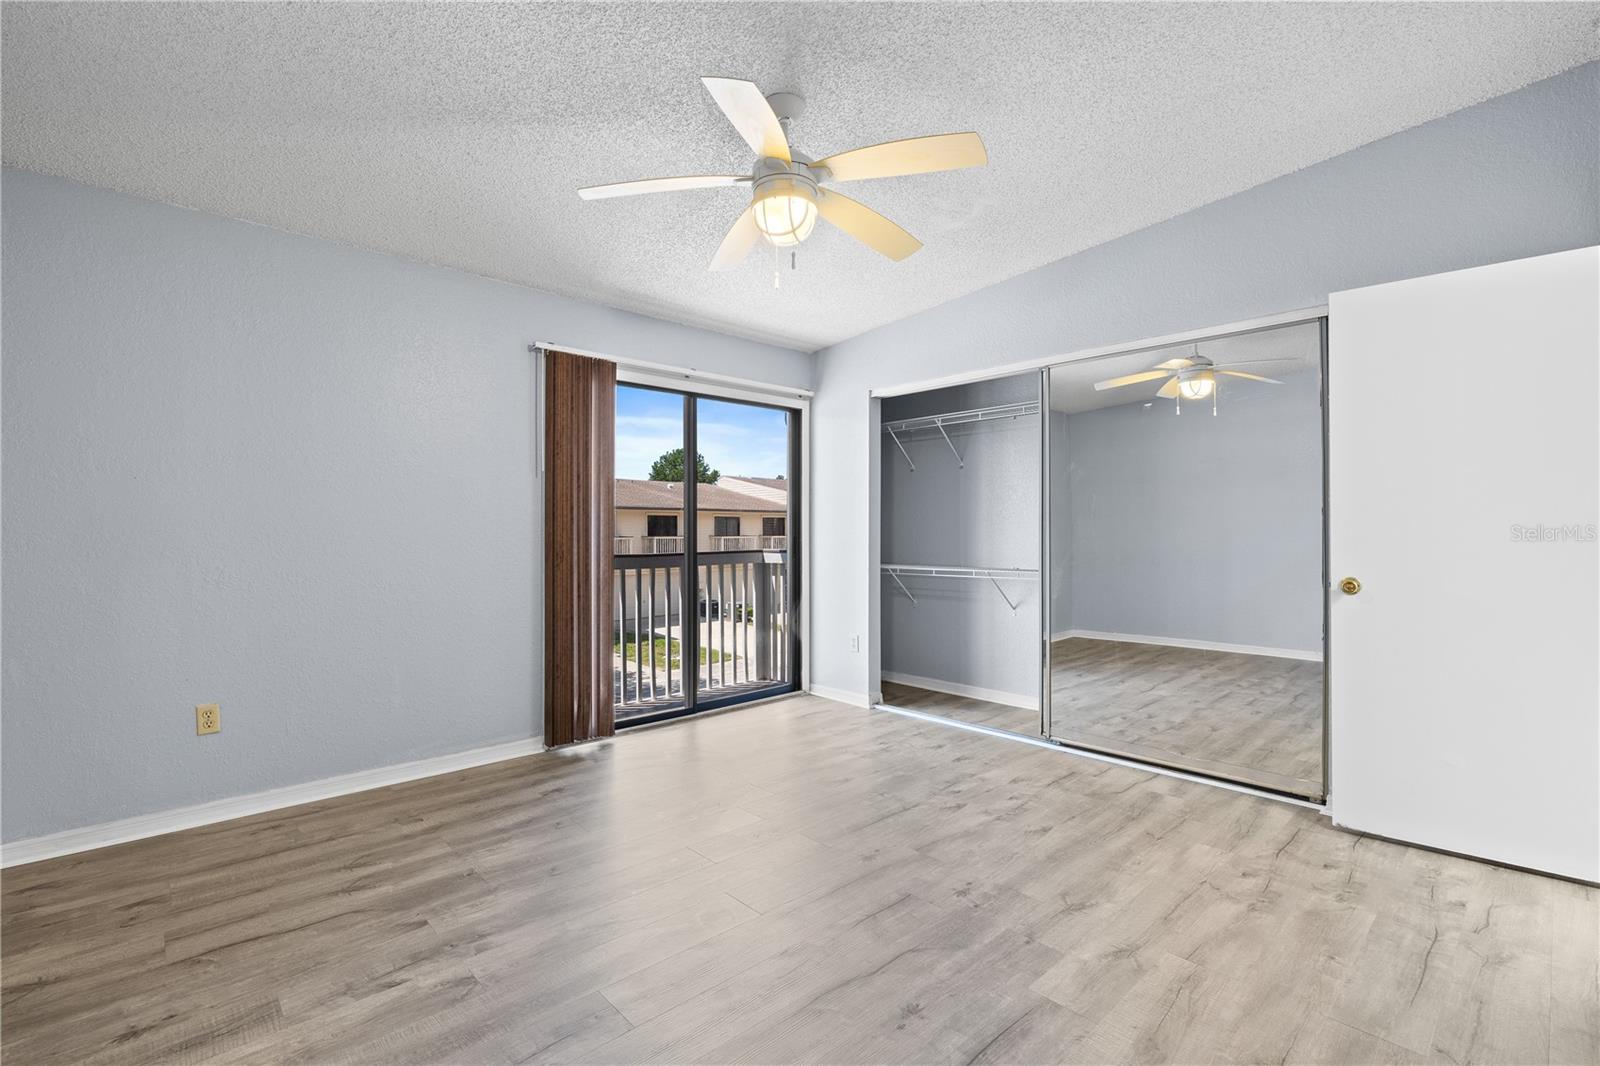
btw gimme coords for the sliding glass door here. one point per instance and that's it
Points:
(705, 555)
(648, 554)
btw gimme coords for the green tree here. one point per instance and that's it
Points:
(670, 468)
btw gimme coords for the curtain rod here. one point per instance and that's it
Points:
(686, 373)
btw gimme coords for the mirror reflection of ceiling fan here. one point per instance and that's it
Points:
(786, 189)
(1193, 378)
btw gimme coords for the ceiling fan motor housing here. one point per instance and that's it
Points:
(774, 177)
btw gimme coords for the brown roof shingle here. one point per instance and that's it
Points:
(668, 496)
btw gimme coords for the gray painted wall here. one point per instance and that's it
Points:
(984, 513)
(1196, 527)
(294, 478)
(1515, 176)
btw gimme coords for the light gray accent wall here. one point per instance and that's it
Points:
(1513, 177)
(1198, 527)
(283, 475)
(984, 513)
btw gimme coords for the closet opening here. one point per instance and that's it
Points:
(960, 604)
(704, 574)
(1124, 554)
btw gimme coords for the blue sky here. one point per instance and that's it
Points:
(735, 438)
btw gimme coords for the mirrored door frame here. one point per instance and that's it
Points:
(1046, 719)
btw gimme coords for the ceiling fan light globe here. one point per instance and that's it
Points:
(1197, 386)
(785, 211)
(785, 221)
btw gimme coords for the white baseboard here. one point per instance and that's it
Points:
(105, 834)
(839, 695)
(1202, 645)
(991, 695)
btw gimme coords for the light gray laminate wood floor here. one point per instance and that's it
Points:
(795, 882)
(1250, 718)
(1023, 720)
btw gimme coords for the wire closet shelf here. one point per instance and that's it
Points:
(993, 575)
(996, 413)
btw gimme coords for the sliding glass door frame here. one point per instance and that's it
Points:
(689, 641)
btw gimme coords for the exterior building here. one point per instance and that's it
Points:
(735, 514)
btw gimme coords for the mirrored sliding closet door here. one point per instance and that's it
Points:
(960, 598)
(1186, 557)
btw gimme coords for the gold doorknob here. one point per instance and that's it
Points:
(1349, 586)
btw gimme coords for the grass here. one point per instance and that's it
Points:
(663, 649)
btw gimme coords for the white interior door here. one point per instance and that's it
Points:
(1464, 493)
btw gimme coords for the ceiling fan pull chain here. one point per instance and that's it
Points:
(1214, 391)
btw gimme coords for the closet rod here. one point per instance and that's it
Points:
(993, 575)
(955, 418)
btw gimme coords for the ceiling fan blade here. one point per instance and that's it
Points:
(646, 185)
(751, 115)
(1175, 364)
(866, 225)
(1129, 379)
(1169, 391)
(737, 244)
(1252, 377)
(914, 155)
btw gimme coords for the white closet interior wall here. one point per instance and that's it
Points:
(982, 511)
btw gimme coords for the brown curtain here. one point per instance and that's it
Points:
(580, 415)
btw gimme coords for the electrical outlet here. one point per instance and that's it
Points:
(207, 718)
(855, 643)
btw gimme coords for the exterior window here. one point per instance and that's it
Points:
(772, 527)
(661, 525)
(726, 525)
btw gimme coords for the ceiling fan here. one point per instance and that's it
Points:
(786, 186)
(1189, 378)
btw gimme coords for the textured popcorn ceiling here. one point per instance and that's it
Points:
(457, 134)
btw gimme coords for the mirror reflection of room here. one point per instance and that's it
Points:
(960, 547)
(1186, 565)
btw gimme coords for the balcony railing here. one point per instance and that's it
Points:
(741, 544)
(674, 545)
(741, 622)
(646, 545)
